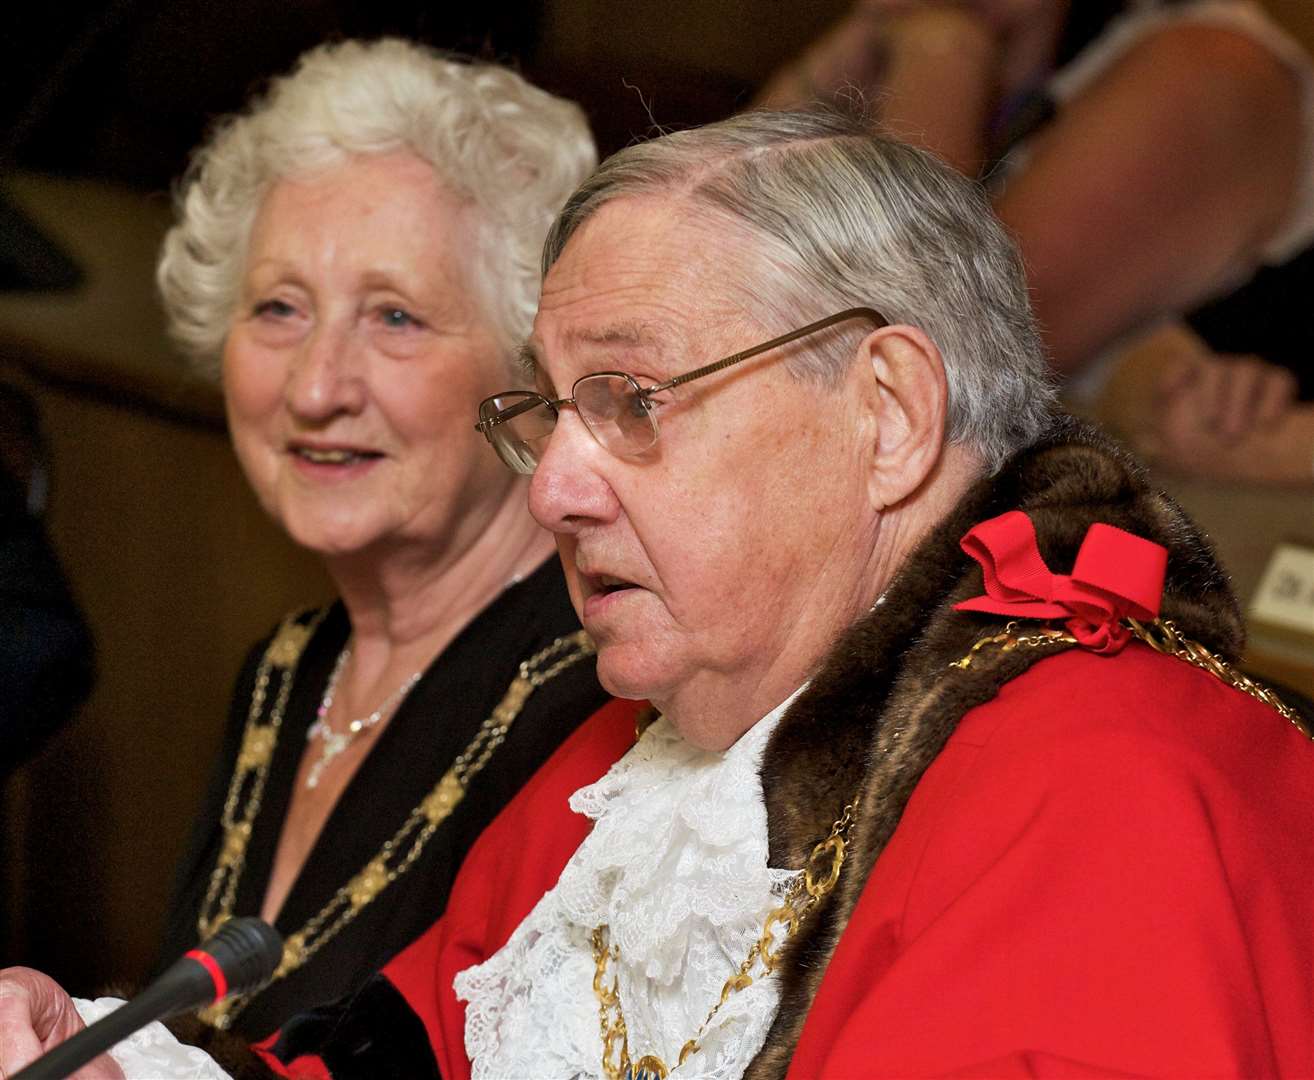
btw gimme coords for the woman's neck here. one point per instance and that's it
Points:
(406, 605)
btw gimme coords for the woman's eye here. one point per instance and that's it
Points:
(395, 318)
(274, 309)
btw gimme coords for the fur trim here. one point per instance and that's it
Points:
(880, 709)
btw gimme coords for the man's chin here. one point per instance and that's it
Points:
(628, 670)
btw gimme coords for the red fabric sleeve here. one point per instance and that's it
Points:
(512, 864)
(306, 1067)
(271, 1062)
(1108, 874)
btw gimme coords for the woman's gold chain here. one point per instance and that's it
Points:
(1161, 635)
(818, 878)
(400, 852)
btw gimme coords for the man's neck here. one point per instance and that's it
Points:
(713, 709)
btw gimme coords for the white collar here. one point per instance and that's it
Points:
(676, 868)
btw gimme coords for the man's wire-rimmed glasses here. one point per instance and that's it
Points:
(616, 410)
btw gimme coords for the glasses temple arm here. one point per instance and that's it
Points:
(767, 346)
(512, 411)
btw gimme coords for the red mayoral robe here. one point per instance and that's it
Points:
(1109, 870)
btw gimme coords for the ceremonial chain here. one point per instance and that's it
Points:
(399, 853)
(818, 878)
(1161, 635)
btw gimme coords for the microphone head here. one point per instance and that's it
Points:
(247, 951)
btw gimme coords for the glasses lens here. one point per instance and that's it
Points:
(616, 413)
(519, 423)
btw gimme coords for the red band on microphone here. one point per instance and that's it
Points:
(216, 973)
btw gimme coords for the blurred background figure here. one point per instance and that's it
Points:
(45, 647)
(1120, 141)
(1227, 393)
(359, 251)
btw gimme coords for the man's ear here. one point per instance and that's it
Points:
(907, 398)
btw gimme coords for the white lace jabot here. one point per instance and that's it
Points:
(676, 868)
(152, 1051)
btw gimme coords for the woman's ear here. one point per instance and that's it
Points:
(907, 399)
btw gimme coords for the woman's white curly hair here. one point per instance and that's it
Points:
(513, 151)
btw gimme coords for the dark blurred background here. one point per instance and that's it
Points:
(123, 90)
(174, 566)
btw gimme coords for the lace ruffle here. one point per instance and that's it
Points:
(676, 868)
(152, 1051)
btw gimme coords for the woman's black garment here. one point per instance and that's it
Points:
(432, 726)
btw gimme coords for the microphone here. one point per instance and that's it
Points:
(240, 958)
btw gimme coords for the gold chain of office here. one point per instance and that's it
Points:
(1161, 635)
(808, 889)
(398, 853)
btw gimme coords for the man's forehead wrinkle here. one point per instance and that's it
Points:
(640, 277)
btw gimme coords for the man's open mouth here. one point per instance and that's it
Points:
(607, 584)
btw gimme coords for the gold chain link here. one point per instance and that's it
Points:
(386, 867)
(817, 879)
(1161, 635)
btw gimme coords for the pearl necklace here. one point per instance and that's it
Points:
(335, 742)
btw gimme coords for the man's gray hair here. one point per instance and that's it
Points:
(840, 217)
(510, 149)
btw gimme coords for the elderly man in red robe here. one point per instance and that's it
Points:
(944, 780)
(951, 773)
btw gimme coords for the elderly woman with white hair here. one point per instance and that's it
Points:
(357, 256)
(359, 252)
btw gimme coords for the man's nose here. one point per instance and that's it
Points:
(328, 374)
(569, 489)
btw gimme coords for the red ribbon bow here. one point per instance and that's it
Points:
(1116, 575)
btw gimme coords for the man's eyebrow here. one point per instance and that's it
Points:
(527, 361)
(632, 334)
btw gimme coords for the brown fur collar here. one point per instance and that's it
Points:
(884, 702)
